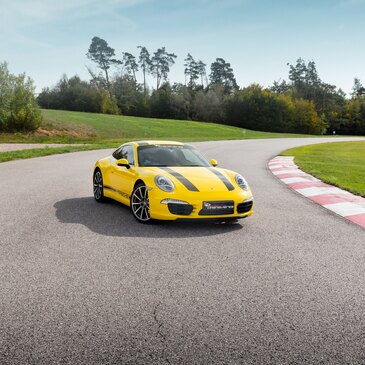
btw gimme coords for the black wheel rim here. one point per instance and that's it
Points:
(140, 204)
(98, 185)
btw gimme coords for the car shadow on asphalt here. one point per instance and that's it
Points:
(114, 219)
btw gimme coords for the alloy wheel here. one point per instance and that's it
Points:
(98, 185)
(140, 204)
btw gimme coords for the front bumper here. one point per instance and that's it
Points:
(241, 200)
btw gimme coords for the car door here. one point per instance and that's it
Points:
(122, 178)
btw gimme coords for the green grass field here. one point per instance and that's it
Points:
(104, 131)
(38, 152)
(341, 163)
(74, 127)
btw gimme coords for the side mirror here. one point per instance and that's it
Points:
(123, 162)
(214, 163)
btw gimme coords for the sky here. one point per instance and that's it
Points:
(49, 38)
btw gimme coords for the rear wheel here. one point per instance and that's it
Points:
(98, 186)
(140, 204)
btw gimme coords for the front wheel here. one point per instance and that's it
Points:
(98, 186)
(140, 204)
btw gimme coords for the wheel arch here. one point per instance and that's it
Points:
(96, 168)
(139, 181)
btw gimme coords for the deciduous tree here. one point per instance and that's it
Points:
(71, 94)
(18, 107)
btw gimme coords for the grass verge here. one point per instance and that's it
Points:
(47, 151)
(61, 126)
(104, 131)
(339, 163)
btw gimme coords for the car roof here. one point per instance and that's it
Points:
(152, 142)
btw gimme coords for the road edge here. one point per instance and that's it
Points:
(338, 201)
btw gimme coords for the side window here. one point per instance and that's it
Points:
(126, 152)
(116, 153)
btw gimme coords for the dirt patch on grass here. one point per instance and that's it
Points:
(64, 132)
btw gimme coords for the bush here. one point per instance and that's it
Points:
(208, 106)
(129, 96)
(108, 104)
(352, 118)
(260, 109)
(71, 94)
(161, 102)
(19, 110)
(306, 118)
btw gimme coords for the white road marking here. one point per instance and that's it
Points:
(292, 171)
(345, 209)
(290, 180)
(321, 191)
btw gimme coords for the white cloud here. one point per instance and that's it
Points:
(26, 12)
(350, 3)
(28, 24)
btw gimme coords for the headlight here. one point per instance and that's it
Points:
(164, 183)
(240, 180)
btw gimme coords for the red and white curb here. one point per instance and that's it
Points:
(345, 204)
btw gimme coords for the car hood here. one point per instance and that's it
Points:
(203, 179)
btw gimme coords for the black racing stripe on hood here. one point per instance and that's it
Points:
(224, 180)
(189, 185)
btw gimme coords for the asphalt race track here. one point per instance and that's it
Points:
(84, 283)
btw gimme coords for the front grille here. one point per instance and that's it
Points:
(244, 207)
(180, 209)
(217, 208)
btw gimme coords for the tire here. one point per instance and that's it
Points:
(98, 186)
(140, 204)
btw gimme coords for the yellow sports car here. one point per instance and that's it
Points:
(170, 181)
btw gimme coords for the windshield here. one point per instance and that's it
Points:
(165, 155)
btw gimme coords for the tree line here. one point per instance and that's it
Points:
(301, 104)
